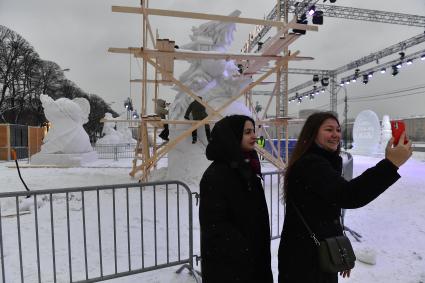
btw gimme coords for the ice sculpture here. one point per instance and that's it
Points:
(366, 133)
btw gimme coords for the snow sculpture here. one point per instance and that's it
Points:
(215, 81)
(122, 135)
(366, 133)
(66, 143)
(385, 133)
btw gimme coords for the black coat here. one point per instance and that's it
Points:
(235, 230)
(316, 187)
(197, 110)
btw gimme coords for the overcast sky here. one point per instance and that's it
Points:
(76, 34)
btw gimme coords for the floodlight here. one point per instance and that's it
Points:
(341, 83)
(302, 20)
(370, 75)
(318, 18)
(312, 10)
(398, 66)
(383, 70)
(409, 62)
(395, 71)
(325, 81)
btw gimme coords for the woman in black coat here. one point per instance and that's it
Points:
(235, 231)
(314, 184)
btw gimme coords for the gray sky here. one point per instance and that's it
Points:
(76, 34)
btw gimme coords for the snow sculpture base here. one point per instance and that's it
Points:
(187, 161)
(63, 160)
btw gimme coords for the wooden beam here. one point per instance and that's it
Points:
(150, 81)
(184, 55)
(211, 17)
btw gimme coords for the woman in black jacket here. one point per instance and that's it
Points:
(235, 231)
(313, 183)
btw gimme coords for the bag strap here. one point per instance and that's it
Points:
(312, 235)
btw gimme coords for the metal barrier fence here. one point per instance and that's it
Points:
(93, 234)
(115, 151)
(272, 184)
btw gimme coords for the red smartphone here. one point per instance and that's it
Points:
(397, 128)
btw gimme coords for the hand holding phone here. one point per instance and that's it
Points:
(397, 128)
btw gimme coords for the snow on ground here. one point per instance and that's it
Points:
(392, 227)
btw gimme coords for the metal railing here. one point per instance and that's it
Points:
(272, 184)
(115, 151)
(95, 233)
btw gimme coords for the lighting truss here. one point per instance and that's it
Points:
(377, 68)
(336, 12)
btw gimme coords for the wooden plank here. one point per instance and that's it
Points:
(203, 16)
(184, 55)
(151, 81)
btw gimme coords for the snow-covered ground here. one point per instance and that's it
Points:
(392, 227)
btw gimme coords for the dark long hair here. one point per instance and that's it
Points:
(305, 141)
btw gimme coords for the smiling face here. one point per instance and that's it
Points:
(329, 135)
(248, 138)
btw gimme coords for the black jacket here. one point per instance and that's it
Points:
(197, 110)
(316, 187)
(235, 231)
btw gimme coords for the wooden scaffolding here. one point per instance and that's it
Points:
(162, 57)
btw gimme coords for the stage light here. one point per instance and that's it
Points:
(353, 80)
(395, 71)
(341, 83)
(302, 20)
(312, 96)
(370, 75)
(365, 79)
(347, 82)
(383, 70)
(312, 10)
(398, 66)
(323, 90)
(423, 57)
(318, 18)
(409, 62)
(325, 81)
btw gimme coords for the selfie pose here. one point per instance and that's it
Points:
(235, 230)
(315, 192)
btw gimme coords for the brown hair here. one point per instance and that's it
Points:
(305, 141)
